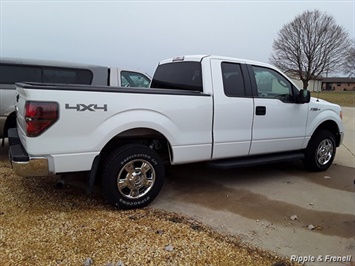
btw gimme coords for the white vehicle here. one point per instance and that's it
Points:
(225, 111)
(18, 70)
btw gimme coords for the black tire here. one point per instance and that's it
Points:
(320, 152)
(140, 173)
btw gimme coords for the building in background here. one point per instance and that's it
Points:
(313, 85)
(338, 84)
(328, 84)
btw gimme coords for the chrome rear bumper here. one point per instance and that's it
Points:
(22, 163)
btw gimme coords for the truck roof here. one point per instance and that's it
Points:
(39, 62)
(199, 58)
(54, 63)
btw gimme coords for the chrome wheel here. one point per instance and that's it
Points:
(136, 179)
(325, 152)
(320, 151)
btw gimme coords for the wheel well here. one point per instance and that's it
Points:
(10, 123)
(332, 127)
(144, 136)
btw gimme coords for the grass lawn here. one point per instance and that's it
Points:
(343, 98)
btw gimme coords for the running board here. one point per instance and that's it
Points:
(255, 160)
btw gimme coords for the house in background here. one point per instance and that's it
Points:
(338, 84)
(328, 84)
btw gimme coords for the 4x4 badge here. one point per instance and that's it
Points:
(80, 107)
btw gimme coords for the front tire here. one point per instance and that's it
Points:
(320, 152)
(133, 176)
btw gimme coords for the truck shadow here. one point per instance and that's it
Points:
(336, 177)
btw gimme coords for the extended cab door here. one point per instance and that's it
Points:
(233, 109)
(279, 122)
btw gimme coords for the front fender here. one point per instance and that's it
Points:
(324, 118)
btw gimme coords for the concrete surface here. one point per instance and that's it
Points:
(257, 203)
(346, 152)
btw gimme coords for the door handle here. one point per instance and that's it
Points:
(260, 110)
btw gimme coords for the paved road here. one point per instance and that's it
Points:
(257, 203)
(346, 152)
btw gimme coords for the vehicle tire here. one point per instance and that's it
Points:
(320, 152)
(133, 176)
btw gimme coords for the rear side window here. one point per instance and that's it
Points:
(66, 75)
(10, 74)
(178, 75)
(233, 81)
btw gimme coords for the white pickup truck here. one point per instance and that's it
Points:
(228, 112)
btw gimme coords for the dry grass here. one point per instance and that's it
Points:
(41, 225)
(343, 98)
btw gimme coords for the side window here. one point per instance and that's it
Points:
(271, 84)
(10, 74)
(134, 79)
(67, 76)
(233, 81)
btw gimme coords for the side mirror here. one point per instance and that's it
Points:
(304, 96)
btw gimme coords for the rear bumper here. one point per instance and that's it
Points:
(22, 163)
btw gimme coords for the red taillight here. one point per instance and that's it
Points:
(40, 116)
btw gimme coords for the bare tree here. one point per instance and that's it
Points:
(309, 46)
(348, 66)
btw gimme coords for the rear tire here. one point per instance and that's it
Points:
(133, 176)
(320, 152)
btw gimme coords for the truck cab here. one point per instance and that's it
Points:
(256, 110)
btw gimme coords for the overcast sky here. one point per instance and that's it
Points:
(138, 34)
